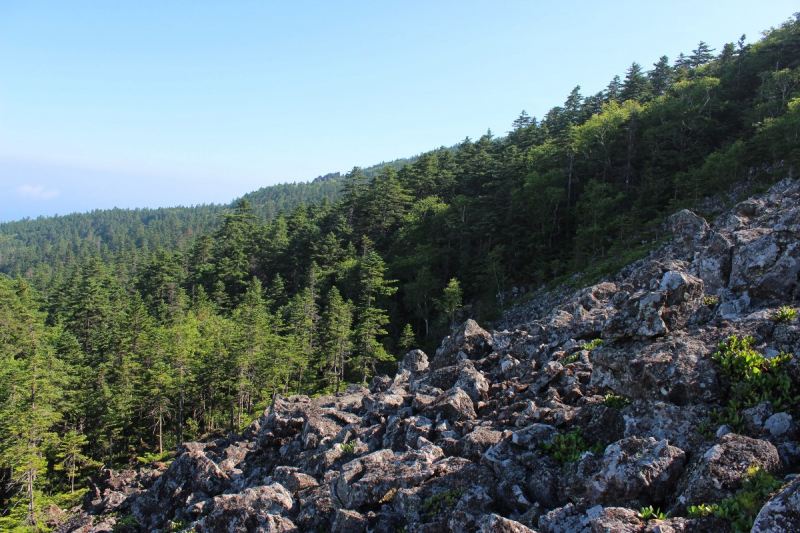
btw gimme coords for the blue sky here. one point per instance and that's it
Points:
(153, 103)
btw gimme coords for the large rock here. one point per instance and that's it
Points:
(469, 341)
(719, 472)
(782, 513)
(192, 475)
(637, 472)
(454, 405)
(367, 480)
(256, 510)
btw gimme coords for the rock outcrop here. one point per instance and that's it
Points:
(594, 405)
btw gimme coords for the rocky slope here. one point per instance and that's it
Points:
(605, 402)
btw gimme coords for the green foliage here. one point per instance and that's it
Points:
(699, 511)
(571, 358)
(149, 459)
(348, 447)
(741, 509)
(648, 513)
(570, 447)
(436, 503)
(785, 314)
(596, 343)
(710, 301)
(616, 402)
(705, 429)
(752, 378)
(127, 522)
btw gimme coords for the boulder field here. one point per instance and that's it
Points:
(650, 402)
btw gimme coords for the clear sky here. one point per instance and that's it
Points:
(159, 103)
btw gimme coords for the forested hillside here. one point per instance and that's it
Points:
(131, 331)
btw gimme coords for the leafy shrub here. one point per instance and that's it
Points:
(648, 513)
(741, 509)
(710, 301)
(570, 447)
(596, 343)
(705, 429)
(752, 378)
(785, 314)
(151, 458)
(616, 402)
(348, 447)
(436, 503)
(568, 360)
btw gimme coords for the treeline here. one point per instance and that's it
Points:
(38, 246)
(140, 349)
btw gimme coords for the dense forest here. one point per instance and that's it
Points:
(127, 332)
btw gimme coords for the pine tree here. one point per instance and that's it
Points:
(407, 339)
(450, 302)
(660, 76)
(337, 334)
(372, 319)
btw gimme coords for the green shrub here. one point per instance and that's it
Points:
(648, 513)
(616, 402)
(752, 378)
(741, 509)
(348, 447)
(568, 360)
(596, 343)
(437, 502)
(570, 447)
(785, 314)
(710, 301)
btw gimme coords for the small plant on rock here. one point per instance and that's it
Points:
(699, 511)
(596, 343)
(436, 503)
(572, 358)
(648, 513)
(616, 402)
(348, 447)
(705, 429)
(785, 314)
(752, 378)
(711, 301)
(741, 509)
(570, 447)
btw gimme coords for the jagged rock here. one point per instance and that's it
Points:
(779, 424)
(618, 520)
(678, 369)
(454, 405)
(782, 513)
(688, 228)
(636, 472)
(497, 524)
(570, 518)
(470, 341)
(684, 298)
(414, 361)
(292, 479)
(191, 473)
(473, 504)
(719, 472)
(638, 317)
(349, 522)
(256, 509)
(368, 479)
(475, 444)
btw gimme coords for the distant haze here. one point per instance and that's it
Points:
(156, 103)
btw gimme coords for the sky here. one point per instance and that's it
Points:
(153, 103)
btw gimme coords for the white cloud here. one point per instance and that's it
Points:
(38, 192)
